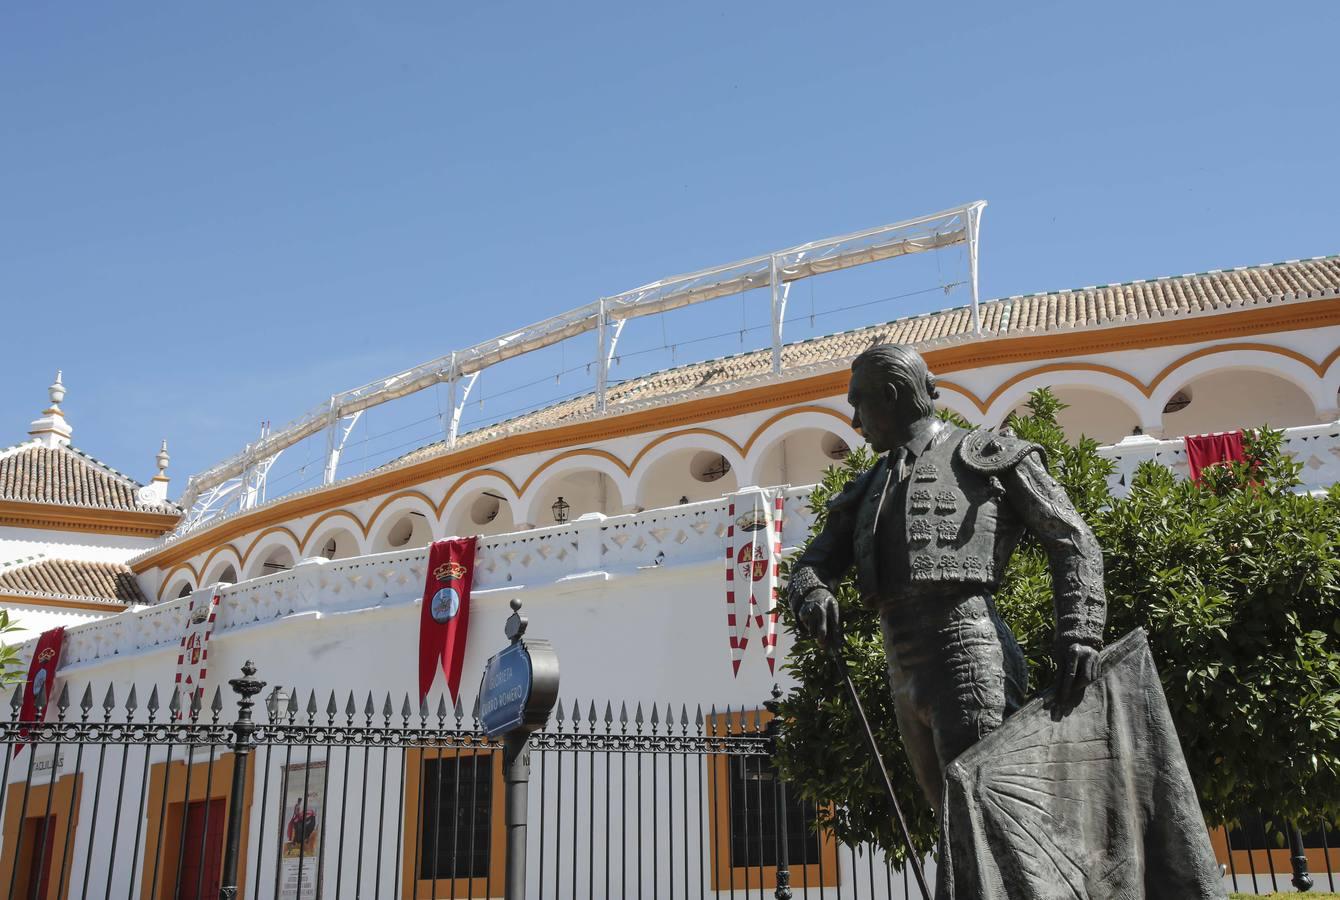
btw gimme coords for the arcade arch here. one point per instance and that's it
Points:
(223, 566)
(583, 490)
(274, 551)
(482, 510)
(335, 543)
(686, 474)
(1229, 399)
(1093, 413)
(401, 522)
(800, 457)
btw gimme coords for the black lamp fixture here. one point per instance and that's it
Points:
(560, 510)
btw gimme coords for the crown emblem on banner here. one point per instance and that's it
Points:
(45, 655)
(448, 571)
(754, 521)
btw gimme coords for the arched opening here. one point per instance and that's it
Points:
(407, 529)
(228, 575)
(277, 559)
(685, 476)
(801, 457)
(337, 543)
(1229, 399)
(482, 512)
(185, 590)
(1091, 413)
(582, 491)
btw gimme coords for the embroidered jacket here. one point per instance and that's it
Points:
(952, 514)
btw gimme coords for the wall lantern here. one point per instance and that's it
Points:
(560, 510)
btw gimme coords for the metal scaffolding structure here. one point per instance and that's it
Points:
(240, 479)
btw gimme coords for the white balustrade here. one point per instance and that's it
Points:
(614, 545)
(625, 545)
(1317, 447)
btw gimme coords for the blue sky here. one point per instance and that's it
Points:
(212, 215)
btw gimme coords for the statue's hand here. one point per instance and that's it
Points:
(1077, 668)
(819, 615)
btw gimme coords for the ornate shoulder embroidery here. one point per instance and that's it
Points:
(988, 453)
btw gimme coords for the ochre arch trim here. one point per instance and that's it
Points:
(584, 451)
(481, 473)
(273, 529)
(1148, 389)
(332, 514)
(204, 566)
(399, 495)
(651, 445)
(172, 574)
(786, 414)
(1062, 367)
(961, 391)
(1318, 368)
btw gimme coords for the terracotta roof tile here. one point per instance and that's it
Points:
(66, 477)
(75, 579)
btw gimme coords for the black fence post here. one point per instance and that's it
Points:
(246, 688)
(516, 777)
(771, 730)
(1298, 859)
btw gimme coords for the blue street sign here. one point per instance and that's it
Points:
(505, 690)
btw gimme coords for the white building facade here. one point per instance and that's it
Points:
(321, 588)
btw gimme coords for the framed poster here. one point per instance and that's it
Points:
(300, 831)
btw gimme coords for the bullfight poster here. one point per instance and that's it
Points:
(41, 679)
(444, 621)
(193, 655)
(753, 564)
(300, 831)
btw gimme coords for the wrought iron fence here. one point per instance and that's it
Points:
(298, 796)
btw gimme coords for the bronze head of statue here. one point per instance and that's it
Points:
(890, 389)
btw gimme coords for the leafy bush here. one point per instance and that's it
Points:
(1237, 582)
(10, 672)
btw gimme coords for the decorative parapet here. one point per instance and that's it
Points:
(609, 545)
(612, 546)
(1317, 447)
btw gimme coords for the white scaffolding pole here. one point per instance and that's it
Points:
(973, 213)
(336, 436)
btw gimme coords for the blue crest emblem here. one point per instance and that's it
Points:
(445, 604)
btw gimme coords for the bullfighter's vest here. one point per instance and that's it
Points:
(954, 525)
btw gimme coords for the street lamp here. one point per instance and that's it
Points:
(560, 510)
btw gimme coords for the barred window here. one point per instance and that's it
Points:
(455, 826)
(756, 820)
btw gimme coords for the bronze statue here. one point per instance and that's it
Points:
(930, 529)
(1084, 794)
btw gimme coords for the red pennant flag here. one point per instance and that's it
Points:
(1206, 450)
(444, 621)
(41, 678)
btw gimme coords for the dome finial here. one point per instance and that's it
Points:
(51, 429)
(56, 390)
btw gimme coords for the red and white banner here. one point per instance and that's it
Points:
(41, 679)
(753, 564)
(193, 657)
(444, 621)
